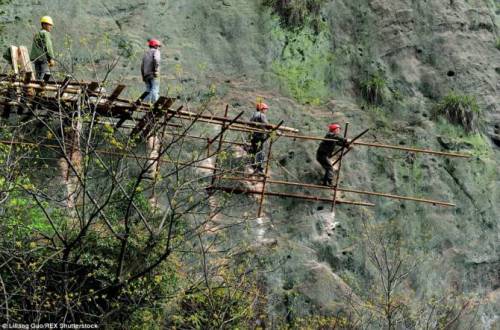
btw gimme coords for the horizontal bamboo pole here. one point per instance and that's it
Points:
(50, 82)
(298, 196)
(194, 137)
(378, 145)
(350, 190)
(426, 151)
(227, 119)
(51, 88)
(127, 155)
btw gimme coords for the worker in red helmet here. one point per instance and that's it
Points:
(150, 70)
(326, 149)
(258, 139)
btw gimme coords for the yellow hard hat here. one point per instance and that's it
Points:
(46, 20)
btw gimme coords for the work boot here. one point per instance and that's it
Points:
(327, 183)
(259, 171)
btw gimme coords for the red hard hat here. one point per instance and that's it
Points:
(261, 106)
(154, 43)
(333, 127)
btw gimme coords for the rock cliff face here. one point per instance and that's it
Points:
(419, 50)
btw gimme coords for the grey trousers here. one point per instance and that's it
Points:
(41, 69)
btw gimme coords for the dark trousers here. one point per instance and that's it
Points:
(326, 163)
(41, 69)
(257, 152)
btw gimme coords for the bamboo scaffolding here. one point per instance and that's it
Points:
(114, 107)
(238, 125)
(303, 197)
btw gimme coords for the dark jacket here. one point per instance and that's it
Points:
(150, 64)
(327, 148)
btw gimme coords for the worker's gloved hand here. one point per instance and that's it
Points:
(52, 63)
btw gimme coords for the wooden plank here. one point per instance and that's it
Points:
(24, 61)
(118, 90)
(14, 55)
(151, 117)
(93, 86)
(64, 85)
(147, 123)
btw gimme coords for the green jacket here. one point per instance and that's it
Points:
(42, 47)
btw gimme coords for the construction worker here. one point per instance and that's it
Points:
(42, 53)
(326, 149)
(258, 139)
(150, 70)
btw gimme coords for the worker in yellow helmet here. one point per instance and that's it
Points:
(42, 53)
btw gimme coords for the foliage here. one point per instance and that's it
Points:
(386, 300)
(476, 141)
(125, 47)
(323, 322)
(460, 110)
(29, 252)
(298, 13)
(304, 66)
(497, 44)
(83, 238)
(228, 298)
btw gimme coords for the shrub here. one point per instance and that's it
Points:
(296, 13)
(461, 110)
(373, 89)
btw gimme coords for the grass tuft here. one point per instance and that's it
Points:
(460, 110)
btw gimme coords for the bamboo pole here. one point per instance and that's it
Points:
(349, 190)
(387, 146)
(303, 197)
(337, 179)
(427, 151)
(242, 122)
(51, 88)
(219, 146)
(263, 192)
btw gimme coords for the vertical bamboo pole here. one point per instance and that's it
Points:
(153, 200)
(264, 181)
(219, 147)
(337, 179)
